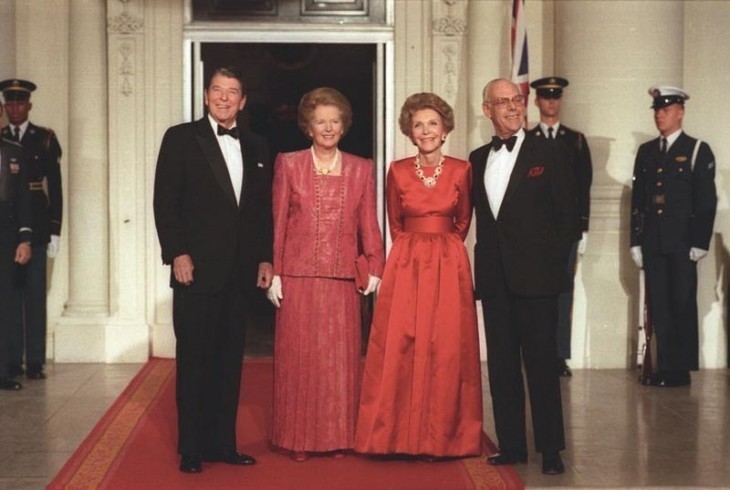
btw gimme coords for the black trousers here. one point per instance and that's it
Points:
(210, 333)
(28, 333)
(565, 309)
(671, 285)
(521, 329)
(8, 244)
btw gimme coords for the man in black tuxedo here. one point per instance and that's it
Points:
(673, 205)
(549, 101)
(212, 205)
(524, 197)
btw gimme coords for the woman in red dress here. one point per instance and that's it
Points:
(324, 206)
(421, 392)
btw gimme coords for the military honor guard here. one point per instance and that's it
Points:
(549, 102)
(15, 242)
(42, 154)
(673, 204)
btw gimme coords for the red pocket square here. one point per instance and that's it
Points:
(536, 171)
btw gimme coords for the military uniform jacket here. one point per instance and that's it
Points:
(673, 204)
(582, 167)
(42, 155)
(15, 209)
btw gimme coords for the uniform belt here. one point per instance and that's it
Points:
(429, 224)
(35, 186)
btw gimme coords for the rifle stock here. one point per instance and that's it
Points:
(647, 366)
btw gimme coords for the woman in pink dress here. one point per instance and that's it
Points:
(324, 217)
(421, 392)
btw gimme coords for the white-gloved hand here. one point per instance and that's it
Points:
(583, 243)
(373, 283)
(637, 257)
(274, 292)
(54, 246)
(696, 254)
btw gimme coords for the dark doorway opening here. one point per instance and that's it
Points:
(277, 75)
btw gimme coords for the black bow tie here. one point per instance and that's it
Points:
(497, 143)
(233, 132)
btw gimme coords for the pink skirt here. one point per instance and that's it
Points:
(316, 364)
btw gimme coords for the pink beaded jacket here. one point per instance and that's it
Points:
(321, 226)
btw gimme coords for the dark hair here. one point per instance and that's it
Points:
(425, 100)
(323, 96)
(228, 72)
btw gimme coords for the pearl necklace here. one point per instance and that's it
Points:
(322, 170)
(429, 182)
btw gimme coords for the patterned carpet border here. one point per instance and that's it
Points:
(90, 464)
(99, 455)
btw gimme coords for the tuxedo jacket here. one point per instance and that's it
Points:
(311, 239)
(43, 159)
(673, 204)
(582, 168)
(526, 247)
(196, 212)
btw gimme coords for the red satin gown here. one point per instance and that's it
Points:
(421, 390)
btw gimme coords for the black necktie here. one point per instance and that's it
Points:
(550, 133)
(663, 145)
(233, 132)
(497, 143)
(16, 133)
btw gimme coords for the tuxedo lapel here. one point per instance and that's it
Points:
(480, 169)
(524, 160)
(249, 154)
(214, 156)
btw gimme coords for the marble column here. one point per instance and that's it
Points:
(80, 332)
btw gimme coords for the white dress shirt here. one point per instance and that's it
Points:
(231, 148)
(499, 169)
(671, 138)
(23, 128)
(545, 131)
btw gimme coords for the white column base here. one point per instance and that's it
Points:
(100, 340)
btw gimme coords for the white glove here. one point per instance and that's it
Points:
(582, 243)
(274, 292)
(696, 254)
(637, 257)
(373, 283)
(54, 246)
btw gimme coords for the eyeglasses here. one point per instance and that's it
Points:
(516, 100)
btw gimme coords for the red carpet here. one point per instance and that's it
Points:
(133, 447)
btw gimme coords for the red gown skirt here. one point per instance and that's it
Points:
(421, 390)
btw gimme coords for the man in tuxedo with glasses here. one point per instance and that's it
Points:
(524, 198)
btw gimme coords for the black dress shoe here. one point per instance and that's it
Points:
(669, 379)
(507, 457)
(552, 464)
(35, 372)
(563, 369)
(190, 465)
(9, 384)
(15, 370)
(234, 458)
